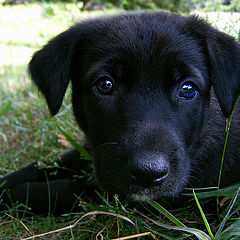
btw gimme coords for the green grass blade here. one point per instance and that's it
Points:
(232, 231)
(166, 213)
(212, 192)
(203, 216)
(80, 148)
(231, 205)
(104, 199)
(30, 117)
(5, 108)
(237, 210)
(162, 235)
(198, 233)
(225, 143)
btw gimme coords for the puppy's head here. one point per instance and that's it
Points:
(141, 92)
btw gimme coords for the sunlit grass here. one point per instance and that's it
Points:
(23, 29)
(23, 127)
(224, 21)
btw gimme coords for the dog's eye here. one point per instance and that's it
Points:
(187, 90)
(104, 86)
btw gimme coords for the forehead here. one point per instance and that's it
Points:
(145, 42)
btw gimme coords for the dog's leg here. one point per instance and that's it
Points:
(46, 189)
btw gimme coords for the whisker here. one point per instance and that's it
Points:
(107, 143)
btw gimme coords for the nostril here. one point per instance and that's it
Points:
(149, 172)
(149, 176)
(161, 176)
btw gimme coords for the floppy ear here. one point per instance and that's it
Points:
(224, 58)
(224, 63)
(50, 69)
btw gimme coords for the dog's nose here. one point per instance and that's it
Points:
(145, 171)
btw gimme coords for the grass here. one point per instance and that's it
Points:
(28, 133)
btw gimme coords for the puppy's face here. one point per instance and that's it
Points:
(143, 97)
(141, 91)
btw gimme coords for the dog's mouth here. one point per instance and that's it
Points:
(120, 181)
(143, 175)
(170, 186)
(143, 191)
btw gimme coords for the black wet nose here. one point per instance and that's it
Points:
(147, 171)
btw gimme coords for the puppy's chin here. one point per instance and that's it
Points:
(146, 198)
(170, 188)
(141, 198)
(166, 190)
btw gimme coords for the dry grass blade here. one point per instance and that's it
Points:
(22, 223)
(136, 236)
(104, 213)
(99, 234)
(75, 224)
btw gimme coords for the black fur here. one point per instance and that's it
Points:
(147, 140)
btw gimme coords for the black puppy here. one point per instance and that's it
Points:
(152, 92)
